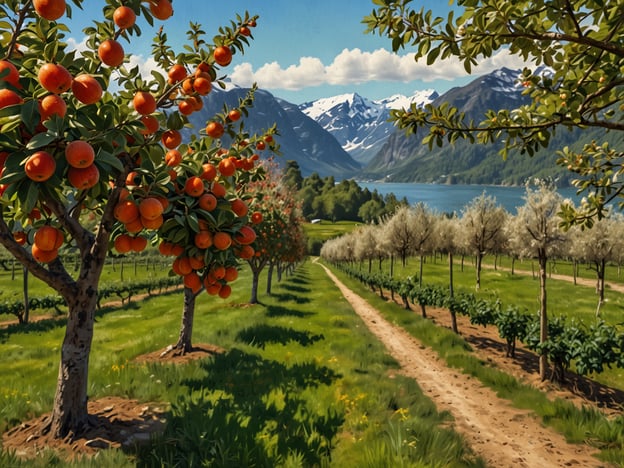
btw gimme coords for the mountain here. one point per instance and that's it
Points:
(405, 159)
(300, 137)
(360, 125)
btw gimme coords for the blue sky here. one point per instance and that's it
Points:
(304, 50)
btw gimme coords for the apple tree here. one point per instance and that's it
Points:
(83, 149)
(574, 53)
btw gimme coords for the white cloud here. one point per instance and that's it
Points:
(354, 66)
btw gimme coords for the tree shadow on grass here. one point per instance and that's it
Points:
(261, 335)
(289, 297)
(244, 410)
(280, 311)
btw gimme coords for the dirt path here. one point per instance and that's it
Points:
(502, 435)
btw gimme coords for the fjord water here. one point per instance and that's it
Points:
(453, 198)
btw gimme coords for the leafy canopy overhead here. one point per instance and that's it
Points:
(574, 54)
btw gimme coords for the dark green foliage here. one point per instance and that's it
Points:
(346, 200)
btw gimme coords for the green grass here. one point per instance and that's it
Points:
(327, 229)
(302, 382)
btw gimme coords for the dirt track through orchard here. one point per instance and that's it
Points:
(500, 434)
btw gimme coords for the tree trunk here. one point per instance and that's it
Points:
(513, 265)
(23, 318)
(454, 321)
(450, 263)
(69, 414)
(543, 359)
(420, 273)
(255, 275)
(391, 266)
(184, 344)
(479, 259)
(269, 278)
(600, 271)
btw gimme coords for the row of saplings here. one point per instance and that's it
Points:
(591, 348)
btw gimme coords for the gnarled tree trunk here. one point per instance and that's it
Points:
(184, 344)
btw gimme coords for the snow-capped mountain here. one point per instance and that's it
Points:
(359, 124)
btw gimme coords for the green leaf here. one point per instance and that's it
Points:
(40, 140)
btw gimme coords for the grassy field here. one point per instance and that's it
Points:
(301, 383)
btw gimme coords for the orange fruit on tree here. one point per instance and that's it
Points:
(197, 102)
(226, 167)
(50, 105)
(214, 130)
(176, 73)
(212, 288)
(124, 17)
(223, 55)
(87, 89)
(123, 243)
(197, 262)
(234, 115)
(144, 103)
(79, 153)
(186, 107)
(173, 157)
(138, 243)
(221, 240)
(126, 211)
(150, 208)
(202, 85)
(260, 145)
(154, 223)
(256, 217)
(207, 202)
(54, 78)
(150, 123)
(193, 281)
(245, 252)
(218, 272)
(83, 178)
(203, 239)
(13, 75)
(20, 237)
(171, 138)
(8, 98)
(181, 266)
(161, 9)
(133, 178)
(245, 235)
(43, 256)
(209, 171)
(165, 248)
(239, 207)
(111, 52)
(231, 273)
(245, 31)
(48, 238)
(218, 189)
(225, 291)
(194, 186)
(50, 9)
(187, 86)
(40, 166)
(135, 226)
